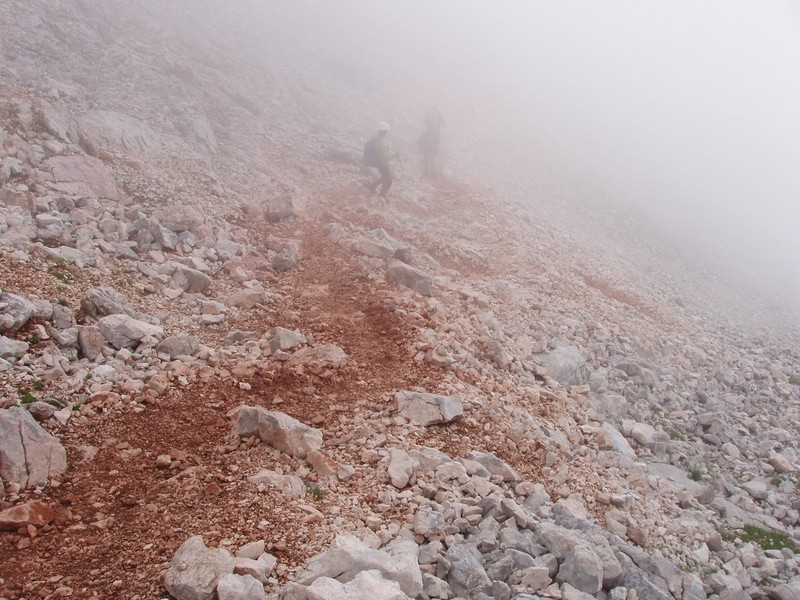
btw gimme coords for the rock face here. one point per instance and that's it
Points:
(103, 301)
(82, 176)
(428, 409)
(114, 131)
(276, 429)
(29, 455)
(195, 570)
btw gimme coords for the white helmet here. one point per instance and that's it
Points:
(383, 126)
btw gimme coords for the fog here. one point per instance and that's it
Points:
(684, 113)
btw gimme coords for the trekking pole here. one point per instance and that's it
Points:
(402, 168)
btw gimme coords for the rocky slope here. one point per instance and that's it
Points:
(226, 369)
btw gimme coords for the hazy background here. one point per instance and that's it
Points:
(683, 113)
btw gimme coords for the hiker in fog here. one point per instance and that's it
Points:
(429, 140)
(378, 155)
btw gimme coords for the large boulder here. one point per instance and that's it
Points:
(583, 570)
(9, 347)
(181, 344)
(277, 429)
(240, 587)
(29, 455)
(428, 409)
(180, 218)
(122, 331)
(195, 570)
(466, 569)
(284, 254)
(190, 280)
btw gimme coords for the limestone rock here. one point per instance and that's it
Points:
(190, 280)
(582, 570)
(240, 587)
(9, 347)
(35, 512)
(195, 570)
(564, 364)
(15, 312)
(180, 218)
(122, 331)
(285, 339)
(411, 277)
(90, 341)
(277, 429)
(82, 176)
(181, 344)
(428, 409)
(29, 455)
(494, 465)
(99, 129)
(103, 301)
(367, 584)
(348, 556)
(318, 359)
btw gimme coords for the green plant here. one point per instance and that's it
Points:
(768, 539)
(63, 302)
(87, 377)
(674, 434)
(34, 339)
(316, 492)
(777, 480)
(25, 396)
(695, 475)
(37, 385)
(19, 354)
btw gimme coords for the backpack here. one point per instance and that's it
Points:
(371, 154)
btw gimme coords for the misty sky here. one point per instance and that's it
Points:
(688, 109)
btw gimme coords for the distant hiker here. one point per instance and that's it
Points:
(430, 139)
(378, 155)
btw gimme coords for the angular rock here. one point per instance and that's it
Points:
(195, 570)
(35, 512)
(401, 467)
(494, 465)
(582, 570)
(103, 301)
(285, 253)
(428, 409)
(288, 485)
(190, 280)
(180, 218)
(411, 277)
(15, 312)
(90, 341)
(466, 572)
(318, 359)
(348, 556)
(608, 438)
(279, 208)
(9, 347)
(642, 433)
(247, 298)
(29, 455)
(276, 429)
(240, 587)
(122, 331)
(428, 521)
(181, 344)
(367, 584)
(285, 339)
(564, 364)
(41, 411)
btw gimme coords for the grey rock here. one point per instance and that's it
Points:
(41, 411)
(318, 359)
(428, 409)
(401, 467)
(582, 570)
(90, 341)
(372, 584)
(279, 208)
(348, 556)
(240, 587)
(284, 253)
(411, 277)
(564, 364)
(62, 317)
(181, 344)
(29, 455)
(180, 218)
(103, 301)
(285, 339)
(15, 312)
(9, 347)
(122, 331)
(277, 430)
(435, 587)
(466, 572)
(494, 465)
(190, 280)
(100, 129)
(82, 176)
(195, 570)
(428, 520)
